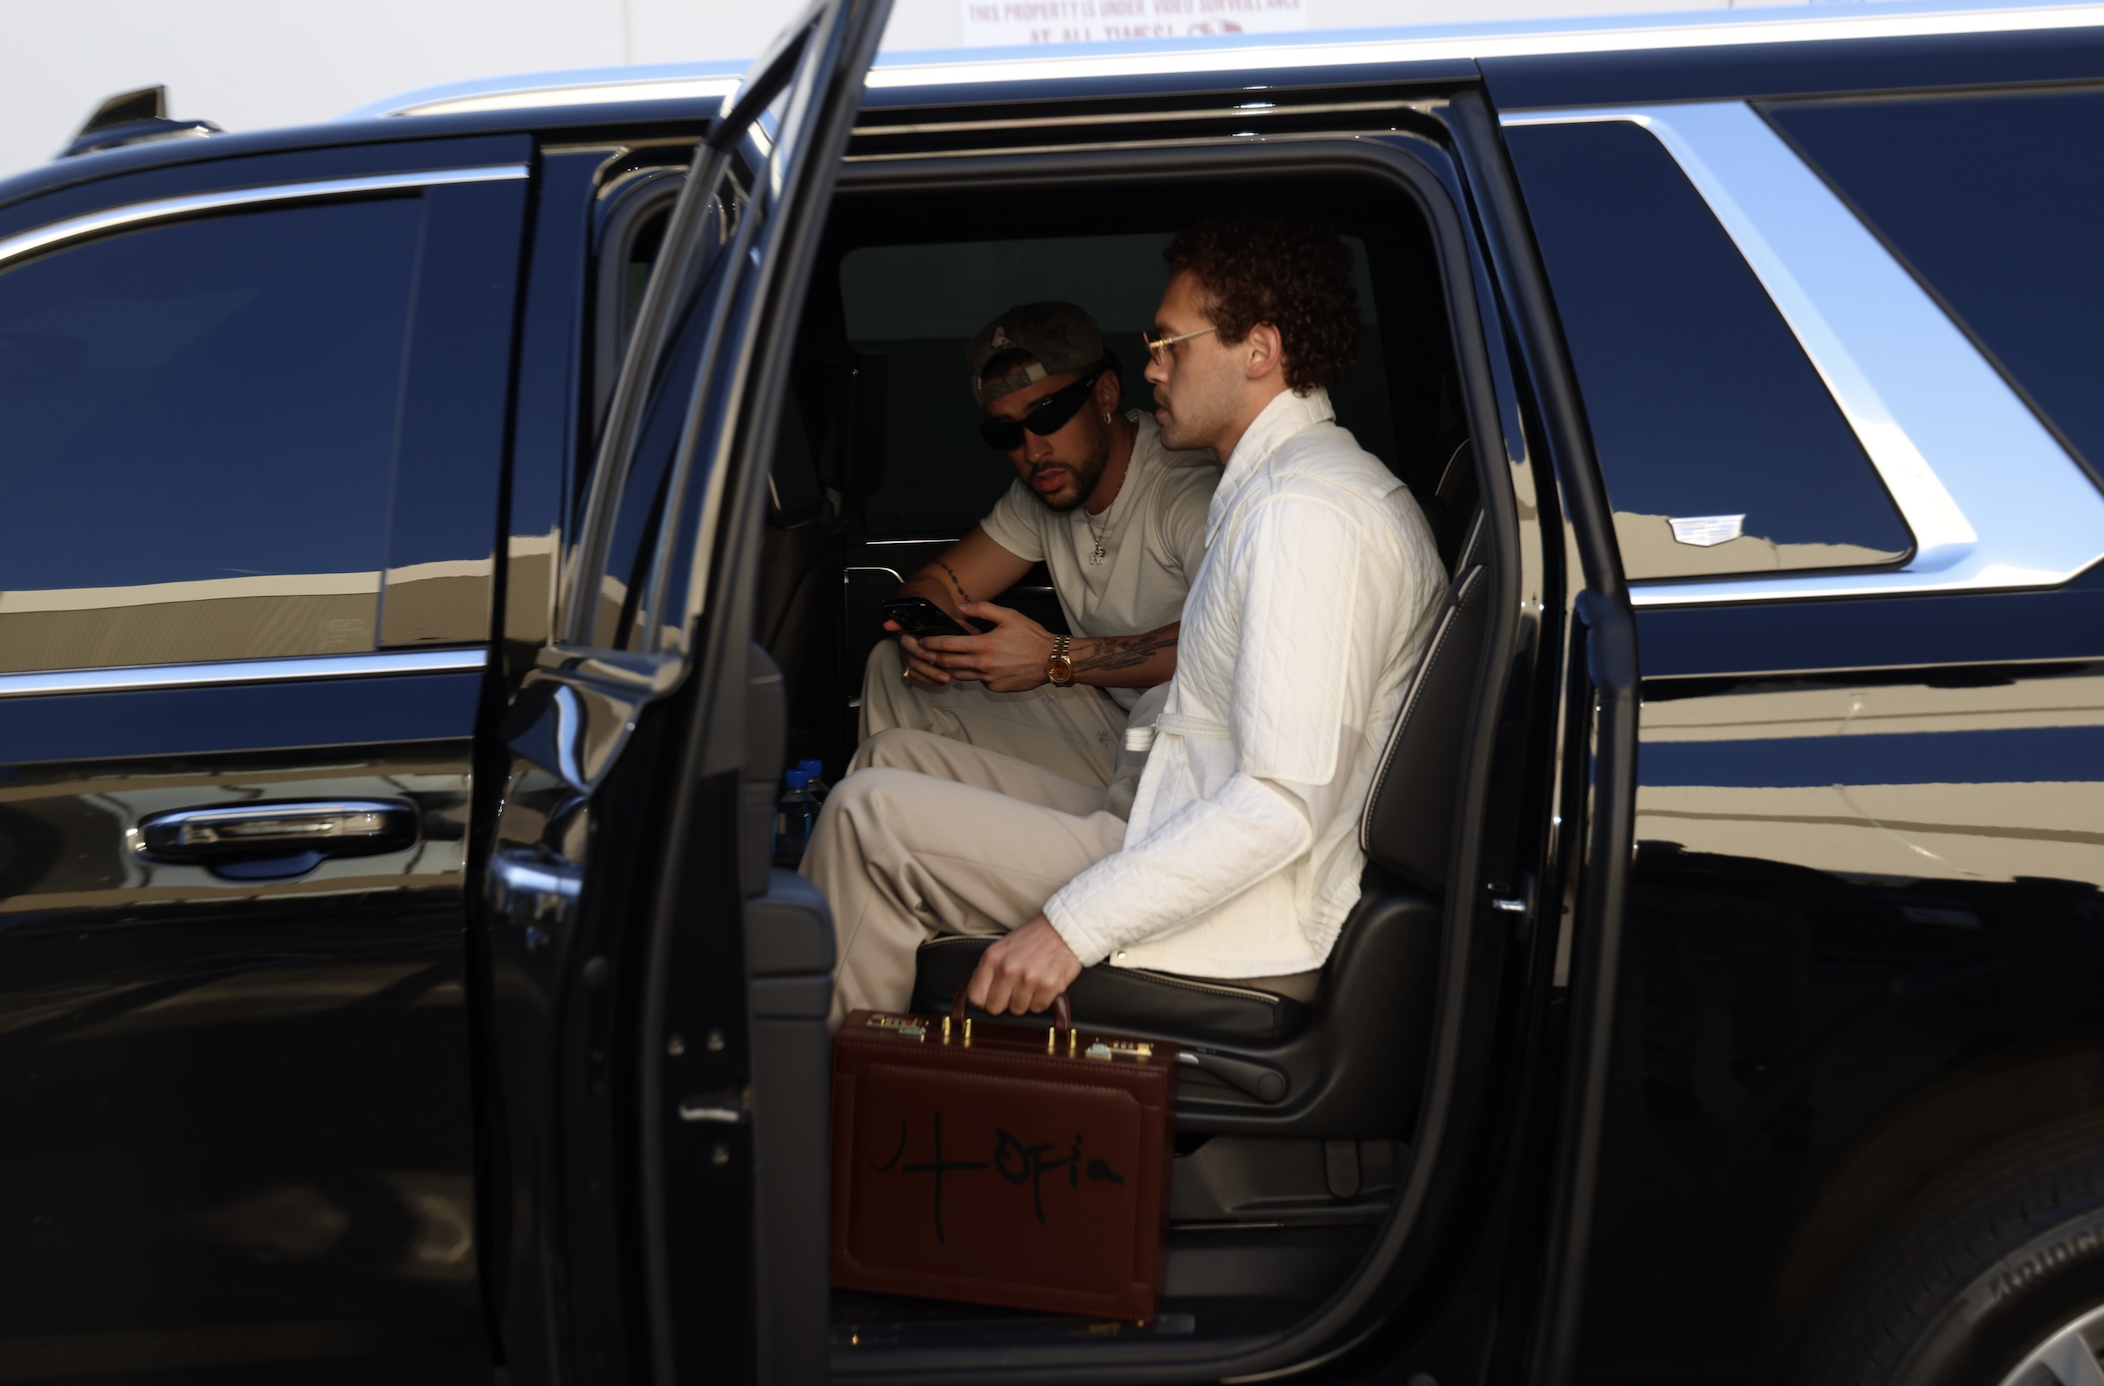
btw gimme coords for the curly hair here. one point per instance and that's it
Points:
(1287, 271)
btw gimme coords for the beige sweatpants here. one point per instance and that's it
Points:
(1075, 732)
(926, 836)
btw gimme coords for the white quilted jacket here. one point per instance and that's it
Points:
(1302, 630)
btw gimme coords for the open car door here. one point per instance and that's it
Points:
(658, 1089)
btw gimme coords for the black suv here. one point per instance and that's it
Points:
(429, 536)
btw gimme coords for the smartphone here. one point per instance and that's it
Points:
(919, 616)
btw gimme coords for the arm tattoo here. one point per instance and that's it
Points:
(1124, 652)
(953, 580)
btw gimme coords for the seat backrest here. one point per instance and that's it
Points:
(1407, 825)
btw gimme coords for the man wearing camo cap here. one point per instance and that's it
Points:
(1119, 521)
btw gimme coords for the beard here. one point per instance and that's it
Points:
(1085, 471)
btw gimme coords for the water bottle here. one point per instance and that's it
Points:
(794, 815)
(816, 770)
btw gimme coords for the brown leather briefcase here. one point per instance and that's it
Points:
(1001, 1164)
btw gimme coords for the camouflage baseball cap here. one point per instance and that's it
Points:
(1062, 336)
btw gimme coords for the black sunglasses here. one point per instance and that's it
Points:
(1046, 417)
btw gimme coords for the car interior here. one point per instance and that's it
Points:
(1294, 1120)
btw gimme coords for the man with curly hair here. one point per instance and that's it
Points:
(1239, 858)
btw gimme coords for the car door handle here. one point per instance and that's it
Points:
(321, 827)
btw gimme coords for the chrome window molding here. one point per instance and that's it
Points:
(138, 678)
(1244, 111)
(167, 208)
(701, 81)
(1994, 500)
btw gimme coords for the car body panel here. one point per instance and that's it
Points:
(242, 1108)
(1860, 896)
(251, 1081)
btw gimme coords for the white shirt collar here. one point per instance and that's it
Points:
(1286, 415)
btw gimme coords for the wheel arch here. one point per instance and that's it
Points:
(1995, 1099)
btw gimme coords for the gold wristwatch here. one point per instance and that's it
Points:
(1060, 669)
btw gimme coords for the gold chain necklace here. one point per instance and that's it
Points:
(1101, 536)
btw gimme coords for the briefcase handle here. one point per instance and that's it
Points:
(1062, 1012)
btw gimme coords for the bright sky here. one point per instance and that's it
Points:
(250, 64)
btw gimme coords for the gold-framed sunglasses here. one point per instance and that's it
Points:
(1157, 346)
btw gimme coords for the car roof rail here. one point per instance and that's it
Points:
(130, 117)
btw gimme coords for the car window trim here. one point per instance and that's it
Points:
(640, 195)
(136, 678)
(1994, 501)
(135, 214)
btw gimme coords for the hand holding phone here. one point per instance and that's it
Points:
(917, 616)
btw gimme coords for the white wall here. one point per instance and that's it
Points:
(250, 64)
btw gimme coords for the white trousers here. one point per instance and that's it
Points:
(1075, 732)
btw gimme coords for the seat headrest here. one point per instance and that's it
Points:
(1407, 825)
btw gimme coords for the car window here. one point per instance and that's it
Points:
(636, 536)
(201, 422)
(1994, 200)
(1703, 407)
(913, 309)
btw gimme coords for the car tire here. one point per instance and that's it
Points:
(1993, 1277)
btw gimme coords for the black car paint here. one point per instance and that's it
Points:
(1805, 1041)
(241, 1097)
(238, 1110)
(1795, 1045)
(1865, 910)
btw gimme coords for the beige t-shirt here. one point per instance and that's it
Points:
(1153, 534)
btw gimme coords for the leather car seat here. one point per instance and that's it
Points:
(1350, 1063)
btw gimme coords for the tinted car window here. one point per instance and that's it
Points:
(633, 543)
(1701, 402)
(200, 423)
(917, 306)
(1995, 201)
